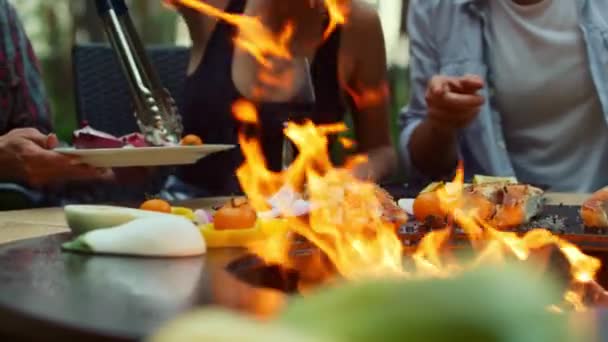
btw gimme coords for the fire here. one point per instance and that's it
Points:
(345, 220)
(337, 11)
(254, 37)
(494, 245)
(278, 69)
(369, 97)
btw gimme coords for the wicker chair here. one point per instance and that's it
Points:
(102, 92)
(104, 101)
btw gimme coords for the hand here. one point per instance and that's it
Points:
(29, 157)
(453, 102)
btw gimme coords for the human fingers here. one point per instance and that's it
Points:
(32, 135)
(46, 167)
(472, 82)
(438, 85)
(452, 119)
(455, 101)
(52, 141)
(468, 84)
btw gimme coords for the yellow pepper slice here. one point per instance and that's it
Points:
(185, 212)
(241, 237)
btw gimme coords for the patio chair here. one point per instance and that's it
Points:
(104, 101)
(102, 91)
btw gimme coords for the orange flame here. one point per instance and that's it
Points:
(338, 12)
(369, 97)
(345, 221)
(347, 143)
(245, 111)
(498, 244)
(253, 37)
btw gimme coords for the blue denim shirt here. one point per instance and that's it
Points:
(450, 37)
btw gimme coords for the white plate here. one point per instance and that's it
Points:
(144, 156)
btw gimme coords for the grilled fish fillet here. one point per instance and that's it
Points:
(502, 205)
(391, 212)
(594, 211)
(513, 204)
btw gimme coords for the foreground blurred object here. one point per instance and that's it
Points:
(155, 109)
(506, 304)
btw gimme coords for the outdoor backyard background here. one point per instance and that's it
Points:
(55, 26)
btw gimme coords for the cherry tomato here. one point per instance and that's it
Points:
(235, 215)
(156, 205)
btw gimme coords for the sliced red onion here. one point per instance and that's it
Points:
(87, 138)
(134, 139)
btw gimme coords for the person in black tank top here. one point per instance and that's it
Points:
(210, 93)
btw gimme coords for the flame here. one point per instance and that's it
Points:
(347, 143)
(369, 97)
(253, 37)
(245, 112)
(345, 221)
(499, 244)
(338, 12)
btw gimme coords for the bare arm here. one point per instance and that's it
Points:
(367, 84)
(452, 103)
(439, 105)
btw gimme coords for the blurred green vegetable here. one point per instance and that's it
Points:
(503, 304)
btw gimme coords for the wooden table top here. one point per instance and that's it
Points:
(26, 224)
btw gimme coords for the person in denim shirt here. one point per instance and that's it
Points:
(512, 88)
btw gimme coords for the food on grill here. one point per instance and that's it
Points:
(236, 224)
(236, 214)
(84, 218)
(493, 304)
(159, 236)
(391, 211)
(157, 205)
(504, 205)
(594, 211)
(427, 207)
(233, 237)
(191, 140)
(481, 179)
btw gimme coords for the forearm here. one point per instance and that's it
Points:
(433, 149)
(8, 164)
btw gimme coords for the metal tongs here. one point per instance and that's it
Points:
(155, 110)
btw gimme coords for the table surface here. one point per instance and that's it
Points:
(38, 273)
(26, 224)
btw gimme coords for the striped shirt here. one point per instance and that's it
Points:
(23, 101)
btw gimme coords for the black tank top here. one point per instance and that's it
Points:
(210, 93)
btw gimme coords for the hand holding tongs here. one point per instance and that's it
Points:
(155, 109)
